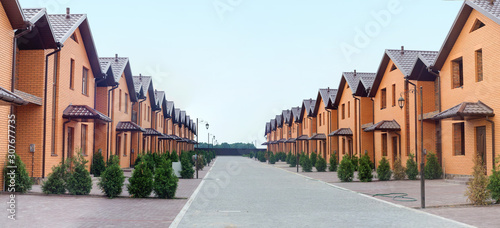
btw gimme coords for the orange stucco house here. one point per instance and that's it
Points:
(326, 123)
(296, 126)
(146, 109)
(308, 127)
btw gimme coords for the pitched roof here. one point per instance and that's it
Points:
(273, 124)
(341, 132)
(279, 120)
(151, 132)
(147, 86)
(318, 137)
(14, 13)
(183, 117)
(84, 112)
(161, 100)
(465, 110)
(128, 126)
(324, 95)
(11, 98)
(41, 36)
(384, 125)
(177, 115)
(287, 116)
(268, 128)
(114, 67)
(296, 114)
(360, 84)
(170, 109)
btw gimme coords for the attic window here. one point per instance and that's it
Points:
(73, 37)
(393, 67)
(477, 25)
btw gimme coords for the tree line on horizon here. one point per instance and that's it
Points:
(226, 145)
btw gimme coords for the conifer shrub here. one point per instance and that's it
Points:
(306, 164)
(477, 189)
(262, 156)
(293, 161)
(187, 171)
(302, 157)
(345, 170)
(411, 167)
(399, 170)
(320, 165)
(432, 168)
(98, 166)
(384, 172)
(494, 184)
(314, 158)
(174, 157)
(111, 182)
(113, 159)
(288, 157)
(333, 162)
(79, 181)
(137, 159)
(355, 161)
(365, 169)
(272, 159)
(165, 181)
(23, 182)
(141, 183)
(56, 181)
(201, 162)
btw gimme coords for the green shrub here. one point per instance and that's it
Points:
(432, 168)
(79, 181)
(138, 159)
(262, 156)
(113, 159)
(141, 183)
(98, 166)
(293, 161)
(288, 157)
(111, 182)
(333, 162)
(272, 159)
(477, 189)
(345, 170)
(22, 179)
(365, 169)
(187, 171)
(201, 162)
(314, 158)
(165, 181)
(494, 184)
(355, 162)
(399, 170)
(56, 181)
(306, 164)
(320, 165)
(302, 157)
(384, 172)
(174, 157)
(411, 167)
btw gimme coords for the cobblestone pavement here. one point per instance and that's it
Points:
(259, 195)
(40, 210)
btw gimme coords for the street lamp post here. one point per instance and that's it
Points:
(401, 103)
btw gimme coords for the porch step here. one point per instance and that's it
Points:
(128, 170)
(458, 180)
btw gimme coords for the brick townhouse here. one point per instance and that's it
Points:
(326, 123)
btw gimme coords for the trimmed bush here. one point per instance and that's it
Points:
(355, 162)
(201, 162)
(111, 183)
(262, 156)
(314, 158)
(165, 182)
(293, 161)
(141, 183)
(288, 156)
(365, 169)
(174, 157)
(411, 167)
(79, 181)
(320, 165)
(306, 164)
(432, 168)
(98, 166)
(187, 171)
(272, 159)
(22, 179)
(384, 172)
(399, 170)
(137, 159)
(477, 189)
(114, 159)
(56, 181)
(494, 184)
(345, 171)
(333, 162)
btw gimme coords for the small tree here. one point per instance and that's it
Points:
(288, 157)
(477, 189)
(141, 183)
(320, 165)
(174, 157)
(345, 171)
(333, 162)
(293, 161)
(165, 182)
(98, 166)
(355, 161)
(365, 169)
(411, 167)
(114, 159)
(79, 181)
(306, 164)
(399, 170)
(314, 158)
(21, 177)
(494, 184)
(111, 182)
(187, 171)
(432, 168)
(56, 181)
(272, 159)
(384, 172)
(201, 162)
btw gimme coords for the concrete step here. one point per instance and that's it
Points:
(458, 180)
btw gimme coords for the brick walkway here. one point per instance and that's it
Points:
(96, 210)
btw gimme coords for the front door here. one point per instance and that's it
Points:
(71, 133)
(481, 143)
(394, 149)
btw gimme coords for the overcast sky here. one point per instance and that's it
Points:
(239, 63)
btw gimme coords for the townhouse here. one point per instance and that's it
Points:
(296, 126)
(326, 123)
(308, 121)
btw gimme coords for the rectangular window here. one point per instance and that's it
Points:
(125, 145)
(126, 103)
(118, 145)
(458, 72)
(348, 109)
(343, 145)
(324, 118)
(459, 138)
(393, 95)
(343, 111)
(319, 119)
(72, 74)
(479, 65)
(148, 113)
(120, 100)
(84, 139)
(384, 144)
(71, 137)
(85, 86)
(145, 112)
(383, 99)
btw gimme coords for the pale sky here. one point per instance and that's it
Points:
(239, 63)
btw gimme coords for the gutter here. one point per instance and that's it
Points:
(358, 113)
(44, 144)
(109, 113)
(95, 107)
(64, 133)
(492, 140)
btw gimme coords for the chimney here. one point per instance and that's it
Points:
(116, 57)
(140, 77)
(67, 13)
(492, 2)
(402, 50)
(328, 89)
(354, 72)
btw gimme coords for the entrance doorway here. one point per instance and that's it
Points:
(481, 143)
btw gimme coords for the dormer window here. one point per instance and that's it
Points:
(477, 25)
(73, 37)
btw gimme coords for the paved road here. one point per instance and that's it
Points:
(240, 192)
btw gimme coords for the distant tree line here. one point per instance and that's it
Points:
(238, 145)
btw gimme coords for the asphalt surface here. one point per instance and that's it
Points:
(239, 192)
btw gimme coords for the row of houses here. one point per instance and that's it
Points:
(451, 94)
(66, 99)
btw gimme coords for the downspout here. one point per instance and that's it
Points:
(439, 143)
(95, 107)
(358, 113)
(109, 114)
(44, 144)
(373, 135)
(416, 117)
(64, 141)
(492, 141)
(329, 129)
(138, 120)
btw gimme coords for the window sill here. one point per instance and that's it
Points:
(54, 155)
